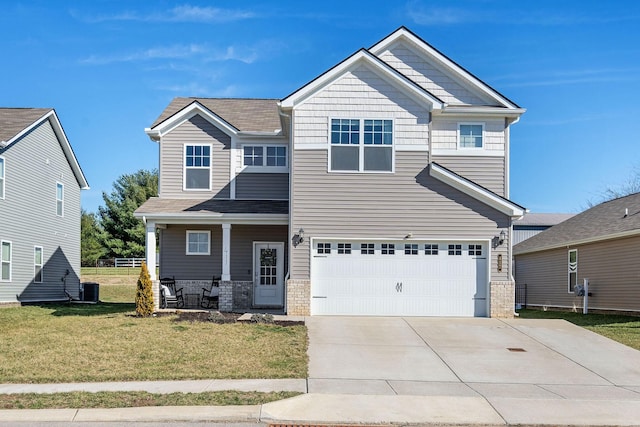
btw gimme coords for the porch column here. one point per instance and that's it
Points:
(226, 252)
(150, 243)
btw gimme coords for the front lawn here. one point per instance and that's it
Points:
(106, 342)
(624, 329)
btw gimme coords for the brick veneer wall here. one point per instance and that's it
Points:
(235, 295)
(298, 297)
(503, 296)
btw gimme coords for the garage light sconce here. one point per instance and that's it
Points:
(502, 237)
(298, 238)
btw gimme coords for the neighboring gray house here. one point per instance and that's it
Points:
(379, 188)
(533, 223)
(601, 244)
(40, 183)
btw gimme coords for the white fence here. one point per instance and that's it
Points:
(128, 262)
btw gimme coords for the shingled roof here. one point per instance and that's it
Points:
(15, 120)
(616, 218)
(542, 219)
(244, 114)
(199, 207)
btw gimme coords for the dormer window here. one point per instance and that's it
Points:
(197, 167)
(471, 135)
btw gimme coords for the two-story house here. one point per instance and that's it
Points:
(379, 188)
(40, 183)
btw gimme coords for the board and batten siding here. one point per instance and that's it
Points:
(611, 266)
(34, 164)
(174, 262)
(196, 130)
(488, 172)
(430, 76)
(262, 186)
(384, 205)
(359, 94)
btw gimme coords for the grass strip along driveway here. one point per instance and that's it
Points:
(107, 342)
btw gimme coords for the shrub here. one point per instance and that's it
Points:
(144, 293)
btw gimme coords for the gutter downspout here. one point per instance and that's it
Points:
(286, 277)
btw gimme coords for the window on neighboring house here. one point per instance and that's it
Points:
(470, 135)
(455, 250)
(197, 167)
(388, 249)
(269, 156)
(324, 248)
(1, 177)
(37, 264)
(361, 145)
(411, 249)
(431, 249)
(5, 261)
(59, 199)
(198, 242)
(573, 269)
(367, 248)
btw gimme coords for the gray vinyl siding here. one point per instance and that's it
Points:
(175, 262)
(33, 166)
(196, 130)
(270, 186)
(612, 269)
(384, 205)
(488, 172)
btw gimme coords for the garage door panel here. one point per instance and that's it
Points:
(415, 282)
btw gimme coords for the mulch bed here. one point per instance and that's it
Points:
(219, 317)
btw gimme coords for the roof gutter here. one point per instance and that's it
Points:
(622, 234)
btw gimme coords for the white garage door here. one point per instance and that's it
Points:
(400, 278)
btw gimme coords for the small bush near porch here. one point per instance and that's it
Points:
(106, 342)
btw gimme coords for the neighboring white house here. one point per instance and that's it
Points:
(40, 183)
(533, 223)
(379, 188)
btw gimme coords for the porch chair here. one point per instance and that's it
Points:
(169, 294)
(210, 297)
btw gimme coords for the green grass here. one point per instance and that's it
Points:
(624, 329)
(136, 399)
(107, 342)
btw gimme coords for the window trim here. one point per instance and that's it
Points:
(36, 265)
(61, 200)
(361, 145)
(264, 168)
(3, 178)
(10, 262)
(459, 139)
(185, 167)
(207, 232)
(569, 272)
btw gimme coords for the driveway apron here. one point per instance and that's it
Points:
(467, 357)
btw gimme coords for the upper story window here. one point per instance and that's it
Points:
(361, 145)
(199, 242)
(269, 158)
(59, 199)
(471, 135)
(5, 261)
(197, 167)
(1, 177)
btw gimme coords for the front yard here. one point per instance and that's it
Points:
(106, 342)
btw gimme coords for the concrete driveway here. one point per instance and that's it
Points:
(490, 358)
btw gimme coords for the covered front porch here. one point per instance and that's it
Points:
(241, 246)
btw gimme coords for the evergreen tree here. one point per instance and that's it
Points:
(91, 248)
(144, 293)
(124, 235)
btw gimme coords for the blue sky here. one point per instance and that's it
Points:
(110, 67)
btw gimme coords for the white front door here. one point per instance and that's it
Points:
(268, 274)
